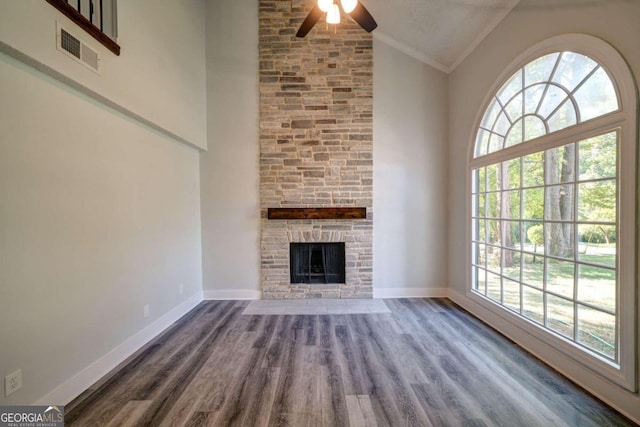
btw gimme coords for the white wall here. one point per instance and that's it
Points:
(230, 174)
(410, 164)
(159, 74)
(531, 21)
(99, 217)
(99, 213)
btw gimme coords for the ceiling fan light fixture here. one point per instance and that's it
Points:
(349, 5)
(333, 16)
(359, 14)
(325, 5)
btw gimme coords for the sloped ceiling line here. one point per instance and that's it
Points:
(439, 33)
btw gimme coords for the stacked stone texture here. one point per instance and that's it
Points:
(316, 109)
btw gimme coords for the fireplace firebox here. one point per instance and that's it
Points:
(316, 263)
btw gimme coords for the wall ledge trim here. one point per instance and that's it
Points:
(76, 385)
(47, 72)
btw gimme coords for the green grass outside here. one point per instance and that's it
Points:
(596, 286)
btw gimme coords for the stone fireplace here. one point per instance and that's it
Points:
(316, 150)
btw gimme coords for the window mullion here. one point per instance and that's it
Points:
(562, 137)
(576, 249)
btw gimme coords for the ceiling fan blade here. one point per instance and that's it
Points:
(309, 21)
(362, 16)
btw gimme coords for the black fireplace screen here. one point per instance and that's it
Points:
(317, 262)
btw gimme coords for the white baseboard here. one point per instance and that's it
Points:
(73, 387)
(626, 402)
(410, 292)
(231, 294)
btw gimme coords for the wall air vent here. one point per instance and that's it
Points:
(70, 43)
(76, 49)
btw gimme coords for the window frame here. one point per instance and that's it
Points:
(625, 121)
(94, 31)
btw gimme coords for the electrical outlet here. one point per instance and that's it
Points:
(13, 382)
(146, 311)
(181, 288)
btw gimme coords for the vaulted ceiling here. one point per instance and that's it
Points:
(440, 33)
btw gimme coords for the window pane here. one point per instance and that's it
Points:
(493, 232)
(505, 178)
(560, 277)
(597, 201)
(493, 204)
(514, 137)
(597, 244)
(511, 204)
(540, 70)
(507, 231)
(481, 280)
(598, 157)
(514, 107)
(533, 170)
(534, 237)
(481, 227)
(559, 240)
(532, 304)
(597, 330)
(491, 115)
(513, 86)
(558, 203)
(482, 142)
(511, 264)
(533, 127)
(533, 270)
(597, 96)
(511, 235)
(513, 166)
(482, 205)
(572, 69)
(550, 101)
(482, 184)
(493, 286)
(532, 97)
(493, 259)
(479, 205)
(560, 315)
(563, 118)
(496, 143)
(560, 164)
(597, 286)
(533, 203)
(502, 125)
(493, 178)
(479, 254)
(511, 296)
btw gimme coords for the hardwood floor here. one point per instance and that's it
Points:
(425, 363)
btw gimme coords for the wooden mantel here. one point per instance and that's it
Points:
(317, 213)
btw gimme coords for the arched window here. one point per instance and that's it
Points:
(553, 200)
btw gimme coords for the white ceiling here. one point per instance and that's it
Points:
(440, 33)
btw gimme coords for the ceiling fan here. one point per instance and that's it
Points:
(353, 8)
